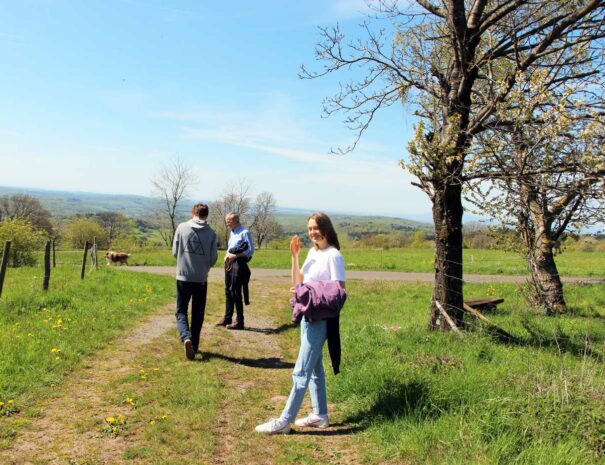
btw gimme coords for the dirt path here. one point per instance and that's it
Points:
(57, 435)
(254, 367)
(216, 275)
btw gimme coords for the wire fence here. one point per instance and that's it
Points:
(49, 262)
(87, 261)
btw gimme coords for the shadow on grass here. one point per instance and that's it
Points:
(547, 339)
(335, 429)
(397, 400)
(267, 362)
(279, 329)
(560, 341)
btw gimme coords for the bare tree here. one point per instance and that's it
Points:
(172, 184)
(264, 226)
(453, 62)
(236, 198)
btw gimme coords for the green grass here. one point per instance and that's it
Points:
(476, 261)
(43, 335)
(432, 398)
(173, 407)
(409, 395)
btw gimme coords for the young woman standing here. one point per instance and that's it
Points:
(323, 263)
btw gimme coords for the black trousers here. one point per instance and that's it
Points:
(196, 293)
(236, 280)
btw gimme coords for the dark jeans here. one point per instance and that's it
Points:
(233, 299)
(196, 292)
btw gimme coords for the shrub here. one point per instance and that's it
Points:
(81, 230)
(25, 240)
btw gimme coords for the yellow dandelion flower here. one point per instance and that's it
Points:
(54, 350)
(1, 404)
(164, 417)
(11, 402)
(110, 420)
(152, 422)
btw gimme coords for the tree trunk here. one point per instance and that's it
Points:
(448, 291)
(546, 279)
(546, 283)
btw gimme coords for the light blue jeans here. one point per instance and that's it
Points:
(309, 371)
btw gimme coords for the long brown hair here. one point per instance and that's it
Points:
(324, 224)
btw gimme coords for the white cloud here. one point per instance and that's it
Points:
(368, 180)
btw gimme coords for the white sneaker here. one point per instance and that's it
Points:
(314, 421)
(274, 426)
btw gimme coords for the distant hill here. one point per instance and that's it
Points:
(293, 220)
(355, 225)
(65, 203)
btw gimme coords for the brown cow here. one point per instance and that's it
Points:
(117, 257)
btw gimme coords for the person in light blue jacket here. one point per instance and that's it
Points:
(237, 272)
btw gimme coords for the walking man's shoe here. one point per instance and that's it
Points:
(222, 322)
(189, 352)
(235, 326)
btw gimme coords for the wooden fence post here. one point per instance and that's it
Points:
(84, 259)
(54, 255)
(93, 253)
(7, 248)
(46, 266)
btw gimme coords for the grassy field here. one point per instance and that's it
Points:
(476, 261)
(432, 398)
(404, 395)
(44, 335)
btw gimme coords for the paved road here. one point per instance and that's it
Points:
(216, 275)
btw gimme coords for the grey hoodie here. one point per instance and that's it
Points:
(194, 248)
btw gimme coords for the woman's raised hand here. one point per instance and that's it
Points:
(295, 245)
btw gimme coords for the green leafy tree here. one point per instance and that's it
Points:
(83, 229)
(452, 62)
(541, 165)
(29, 208)
(25, 241)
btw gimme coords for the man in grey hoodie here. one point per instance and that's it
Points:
(194, 248)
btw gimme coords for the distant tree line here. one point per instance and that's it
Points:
(25, 221)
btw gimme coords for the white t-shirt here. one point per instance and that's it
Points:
(324, 265)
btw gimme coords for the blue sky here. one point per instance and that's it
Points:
(97, 95)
